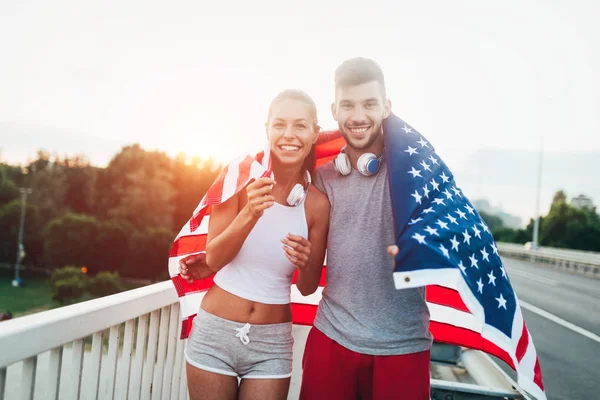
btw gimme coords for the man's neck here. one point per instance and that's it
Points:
(375, 148)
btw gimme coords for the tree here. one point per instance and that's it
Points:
(69, 240)
(68, 284)
(104, 284)
(136, 186)
(110, 246)
(493, 222)
(149, 254)
(8, 188)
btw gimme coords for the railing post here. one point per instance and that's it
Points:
(54, 371)
(28, 378)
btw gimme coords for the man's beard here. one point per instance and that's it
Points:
(372, 139)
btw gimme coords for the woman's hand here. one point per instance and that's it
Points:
(297, 249)
(194, 267)
(259, 196)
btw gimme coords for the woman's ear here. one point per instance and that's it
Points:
(317, 132)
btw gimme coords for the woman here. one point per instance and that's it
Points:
(256, 240)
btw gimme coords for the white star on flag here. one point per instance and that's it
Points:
(474, 261)
(492, 278)
(455, 243)
(452, 219)
(441, 224)
(480, 286)
(415, 172)
(435, 185)
(411, 151)
(477, 232)
(425, 166)
(425, 191)
(427, 210)
(445, 178)
(448, 194)
(414, 221)
(417, 196)
(420, 238)
(407, 130)
(467, 237)
(438, 201)
(433, 160)
(470, 209)
(485, 255)
(423, 143)
(462, 267)
(444, 250)
(431, 231)
(461, 214)
(501, 301)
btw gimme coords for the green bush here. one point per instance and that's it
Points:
(68, 284)
(104, 284)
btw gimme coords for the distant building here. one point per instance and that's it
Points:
(582, 201)
(508, 220)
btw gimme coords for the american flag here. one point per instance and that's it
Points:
(443, 242)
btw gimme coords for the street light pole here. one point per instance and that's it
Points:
(536, 223)
(24, 192)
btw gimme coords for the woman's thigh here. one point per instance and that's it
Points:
(267, 389)
(205, 385)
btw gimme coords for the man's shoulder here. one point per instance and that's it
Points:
(326, 172)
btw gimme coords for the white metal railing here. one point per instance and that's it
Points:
(585, 262)
(120, 346)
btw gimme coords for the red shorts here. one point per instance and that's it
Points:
(331, 371)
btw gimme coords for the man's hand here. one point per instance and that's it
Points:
(194, 267)
(393, 251)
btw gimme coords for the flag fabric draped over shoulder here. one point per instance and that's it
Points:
(444, 245)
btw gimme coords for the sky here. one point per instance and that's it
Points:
(197, 77)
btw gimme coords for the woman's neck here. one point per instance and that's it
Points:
(285, 179)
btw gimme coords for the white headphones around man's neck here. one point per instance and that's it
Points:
(298, 192)
(368, 164)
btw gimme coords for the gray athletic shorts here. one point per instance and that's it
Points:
(237, 349)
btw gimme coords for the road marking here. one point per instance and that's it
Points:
(559, 321)
(534, 277)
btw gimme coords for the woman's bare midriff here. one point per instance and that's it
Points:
(234, 308)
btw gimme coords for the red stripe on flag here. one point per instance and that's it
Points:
(445, 333)
(214, 193)
(446, 297)
(244, 173)
(322, 280)
(197, 219)
(183, 287)
(188, 244)
(186, 327)
(537, 374)
(523, 343)
(303, 314)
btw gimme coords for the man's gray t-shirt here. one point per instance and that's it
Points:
(360, 308)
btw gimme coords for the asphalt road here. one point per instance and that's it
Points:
(569, 359)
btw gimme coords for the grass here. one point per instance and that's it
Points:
(34, 297)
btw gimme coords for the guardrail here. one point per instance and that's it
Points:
(581, 262)
(144, 357)
(126, 346)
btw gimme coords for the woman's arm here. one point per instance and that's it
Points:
(308, 255)
(228, 228)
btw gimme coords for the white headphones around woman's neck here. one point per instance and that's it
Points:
(298, 192)
(368, 164)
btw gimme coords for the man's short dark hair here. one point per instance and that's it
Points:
(357, 71)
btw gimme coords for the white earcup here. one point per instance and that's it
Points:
(368, 164)
(342, 164)
(298, 193)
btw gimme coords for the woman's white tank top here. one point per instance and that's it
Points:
(261, 272)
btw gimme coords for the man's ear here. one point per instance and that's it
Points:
(334, 111)
(387, 108)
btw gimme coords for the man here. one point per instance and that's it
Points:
(369, 340)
